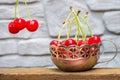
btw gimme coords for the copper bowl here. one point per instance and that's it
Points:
(77, 58)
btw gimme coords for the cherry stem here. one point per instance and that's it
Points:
(15, 12)
(18, 8)
(64, 24)
(67, 32)
(70, 25)
(79, 24)
(28, 11)
(60, 32)
(69, 22)
(85, 20)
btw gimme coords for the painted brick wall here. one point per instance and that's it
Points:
(32, 49)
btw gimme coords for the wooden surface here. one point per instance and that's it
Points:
(55, 74)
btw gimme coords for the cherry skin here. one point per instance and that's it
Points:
(19, 23)
(55, 42)
(80, 42)
(94, 39)
(69, 42)
(12, 29)
(32, 25)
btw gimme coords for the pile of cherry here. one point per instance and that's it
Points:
(75, 48)
(70, 48)
(19, 23)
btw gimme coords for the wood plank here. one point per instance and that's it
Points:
(55, 74)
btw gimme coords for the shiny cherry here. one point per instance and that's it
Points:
(32, 25)
(80, 42)
(55, 42)
(94, 39)
(69, 42)
(19, 23)
(12, 29)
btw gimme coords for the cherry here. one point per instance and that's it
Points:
(12, 29)
(73, 52)
(80, 42)
(94, 39)
(69, 42)
(62, 52)
(94, 50)
(55, 42)
(19, 23)
(32, 25)
(63, 55)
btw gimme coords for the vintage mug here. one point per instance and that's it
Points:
(78, 58)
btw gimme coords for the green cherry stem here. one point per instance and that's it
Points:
(78, 32)
(70, 25)
(28, 11)
(64, 24)
(18, 8)
(67, 32)
(69, 22)
(86, 22)
(15, 10)
(79, 24)
(60, 32)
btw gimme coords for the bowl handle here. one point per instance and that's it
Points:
(116, 51)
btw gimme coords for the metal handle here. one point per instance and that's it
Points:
(116, 51)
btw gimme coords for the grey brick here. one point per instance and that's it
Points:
(34, 46)
(56, 14)
(25, 61)
(14, 1)
(36, 10)
(112, 21)
(103, 5)
(8, 47)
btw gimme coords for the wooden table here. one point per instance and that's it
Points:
(55, 74)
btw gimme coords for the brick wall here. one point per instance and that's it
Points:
(32, 49)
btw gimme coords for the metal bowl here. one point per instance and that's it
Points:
(75, 58)
(75, 64)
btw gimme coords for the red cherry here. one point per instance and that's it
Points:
(80, 42)
(19, 23)
(69, 42)
(94, 39)
(55, 42)
(73, 53)
(32, 25)
(12, 29)
(63, 55)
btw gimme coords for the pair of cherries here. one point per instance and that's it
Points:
(19, 24)
(68, 42)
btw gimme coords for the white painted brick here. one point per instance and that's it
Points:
(114, 63)
(34, 46)
(108, 46)
(36, 10)
(25, 61)
(55, 16)
(13, 1)
(103, 5)
(8, 47)
(112, 21)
